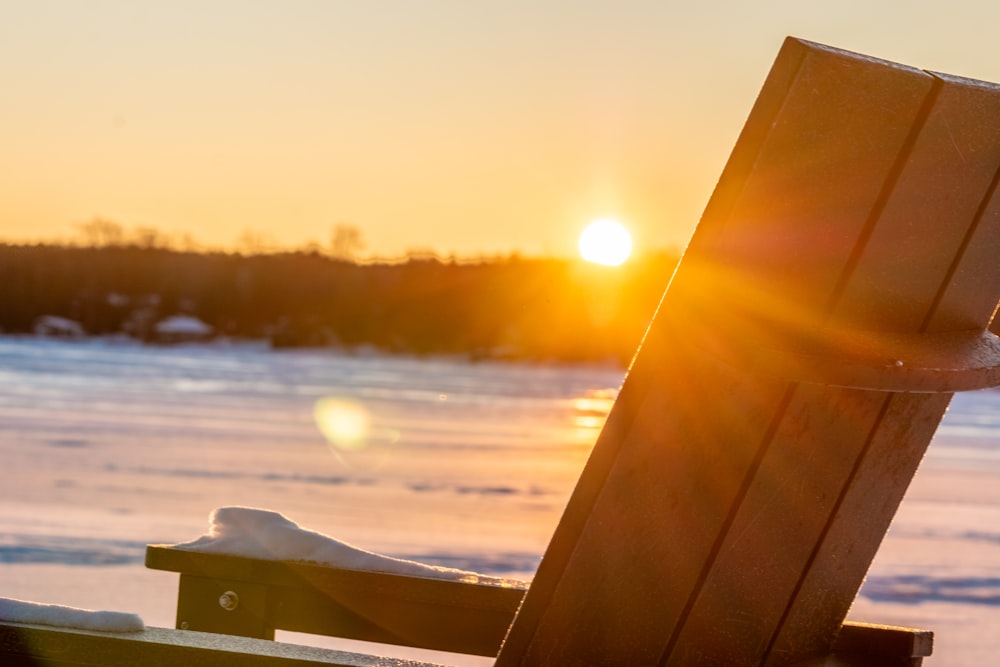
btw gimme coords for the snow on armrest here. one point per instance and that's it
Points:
(268, 535)
(21, 611)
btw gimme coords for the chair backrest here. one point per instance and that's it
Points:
(837, 289)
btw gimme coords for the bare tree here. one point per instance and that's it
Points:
(346, 242)
(253, 242)
(187, 243)
(149, 237)
(101, 232)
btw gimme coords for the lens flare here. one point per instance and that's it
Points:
(346, 425)
(353, 435)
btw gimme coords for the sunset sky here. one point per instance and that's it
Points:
(461, 127)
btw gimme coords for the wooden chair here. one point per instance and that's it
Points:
(836, 292)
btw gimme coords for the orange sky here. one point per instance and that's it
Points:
(453, 126)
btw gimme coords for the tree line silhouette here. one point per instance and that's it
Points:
(533, 309)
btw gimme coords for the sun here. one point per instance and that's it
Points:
(605, 242)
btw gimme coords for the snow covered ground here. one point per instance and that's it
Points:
(106, 446)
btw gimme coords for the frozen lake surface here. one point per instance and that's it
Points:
(106, 446)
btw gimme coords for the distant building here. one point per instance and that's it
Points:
(52, 326)
(181, 329)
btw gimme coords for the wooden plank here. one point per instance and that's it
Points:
(884, 641)
(323, 577)
(648, 537)
(38, 645)
(979, 267)
(775, 528)
(929, 221)
(394, 618)
(856, 526)
(968, 297)
(793, 226)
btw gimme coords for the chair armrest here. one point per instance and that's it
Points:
(868, 645)
(302, 597)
